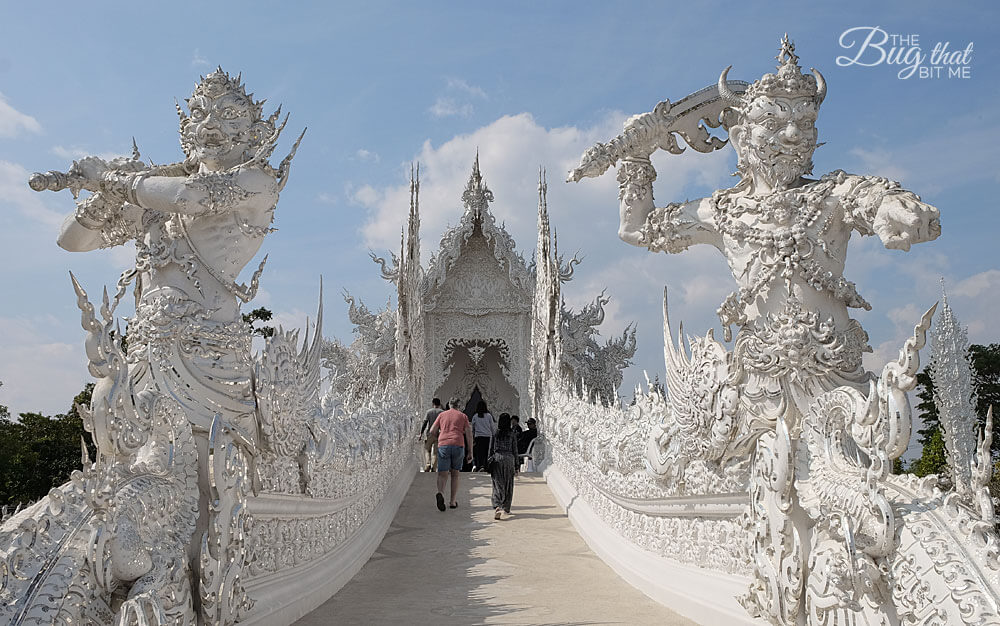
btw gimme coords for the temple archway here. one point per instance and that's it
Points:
(476, 369)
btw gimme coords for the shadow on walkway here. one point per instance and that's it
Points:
(461, 567)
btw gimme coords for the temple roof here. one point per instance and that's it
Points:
(476, 198)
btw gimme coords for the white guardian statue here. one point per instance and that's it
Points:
(176, 421)
(835, 538)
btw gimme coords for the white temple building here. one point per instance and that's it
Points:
(463, 325)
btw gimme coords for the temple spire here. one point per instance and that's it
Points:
(477, 196)
(545, 337)
(409, 316)
(413, 225)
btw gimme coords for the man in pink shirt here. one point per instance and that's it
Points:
(454, 435)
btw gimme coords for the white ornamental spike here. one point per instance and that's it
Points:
(982, 472)
(955, 397)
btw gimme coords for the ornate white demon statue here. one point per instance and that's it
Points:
(785, 238)
(175, 421)
(836, 538)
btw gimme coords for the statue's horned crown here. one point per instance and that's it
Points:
(220, 83)
(789, 82)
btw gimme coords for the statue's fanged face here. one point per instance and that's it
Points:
(777, 139)
(225, 126)
(218, 128)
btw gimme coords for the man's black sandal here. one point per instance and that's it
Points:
(440, 501)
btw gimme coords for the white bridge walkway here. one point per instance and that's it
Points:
(462, 567)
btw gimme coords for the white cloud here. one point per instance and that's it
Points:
(976, 300)
(14, 191)
(961, 150)
(39, 372)
(75, 152)
(448, 107)
(905, 317)
(880, 161)
(326, 198)
(987, 282)
(511, 150)
(366, 195)
(12, 121)
(457, 99)
(295, 318)
(199, 61)
(502, 146)
(366, 155)
(457, 84)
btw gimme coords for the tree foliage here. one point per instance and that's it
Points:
(38, 452)
(932, 458)
(259, 315)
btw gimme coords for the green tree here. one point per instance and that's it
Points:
(259, 314)
(986, 379)
(38, 452)
(932, 458)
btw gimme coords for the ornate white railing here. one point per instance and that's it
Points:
(810, 528)
(684, 544)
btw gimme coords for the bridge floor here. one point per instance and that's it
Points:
(462, 567)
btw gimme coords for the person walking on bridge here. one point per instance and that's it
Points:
(430, 443)
(503, 454)
(454, 435)
(483, 429)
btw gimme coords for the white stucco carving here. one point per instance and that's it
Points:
(594, 367)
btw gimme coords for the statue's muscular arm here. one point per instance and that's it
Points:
(114, 214)
(878, 206)
(212, 192)
(672, 228)
(75, 237)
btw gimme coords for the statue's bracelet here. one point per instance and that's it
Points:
(92, 219)
(122, 187)
(88, 221)
(132, 189)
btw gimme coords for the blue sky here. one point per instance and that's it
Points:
(527, 83)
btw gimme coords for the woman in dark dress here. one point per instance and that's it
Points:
(505, 447)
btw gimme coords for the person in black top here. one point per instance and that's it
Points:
(515, 423)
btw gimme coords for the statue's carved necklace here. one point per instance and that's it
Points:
(789, 228)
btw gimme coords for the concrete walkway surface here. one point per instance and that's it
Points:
(461, 567)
